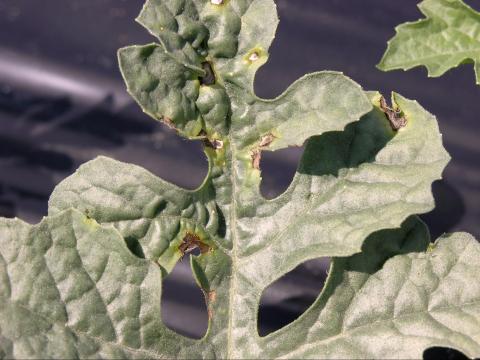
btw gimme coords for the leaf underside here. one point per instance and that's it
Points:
(447, 37)
(86, 282)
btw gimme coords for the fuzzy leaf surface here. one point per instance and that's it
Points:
(448, 37)
(123, 229)
(392, 301)
(84, 295)
(349, 184)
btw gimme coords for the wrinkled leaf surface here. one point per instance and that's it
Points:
(447, 37)
(86, 281)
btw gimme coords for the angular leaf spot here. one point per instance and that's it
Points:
(290, 296)
(191, 243)
(253, 57)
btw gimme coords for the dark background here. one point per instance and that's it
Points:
(63, 102)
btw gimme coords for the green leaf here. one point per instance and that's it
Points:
(92, 286)
(151, 214)
(349, 184)
(232, 37)
(71, 289)
(448, 37)
(84, 295)
(394, 300)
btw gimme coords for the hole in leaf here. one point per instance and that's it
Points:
(7, 209)
(222, 225)
(435, 353)
(196, 252)
(134, 246)
(183, 303)
(209, 78)
(177, 160)
(326, 154)
(449, 209)
(278, 169)
(7, 206)
(290, 296)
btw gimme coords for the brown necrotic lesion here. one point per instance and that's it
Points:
(190, 243)
(394, 116)
(256, 154)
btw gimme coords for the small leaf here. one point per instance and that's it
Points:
(448, 37)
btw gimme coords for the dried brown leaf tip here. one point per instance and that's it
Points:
(394, 116)
(190, 242)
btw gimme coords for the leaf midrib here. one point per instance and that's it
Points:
(233, 253)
